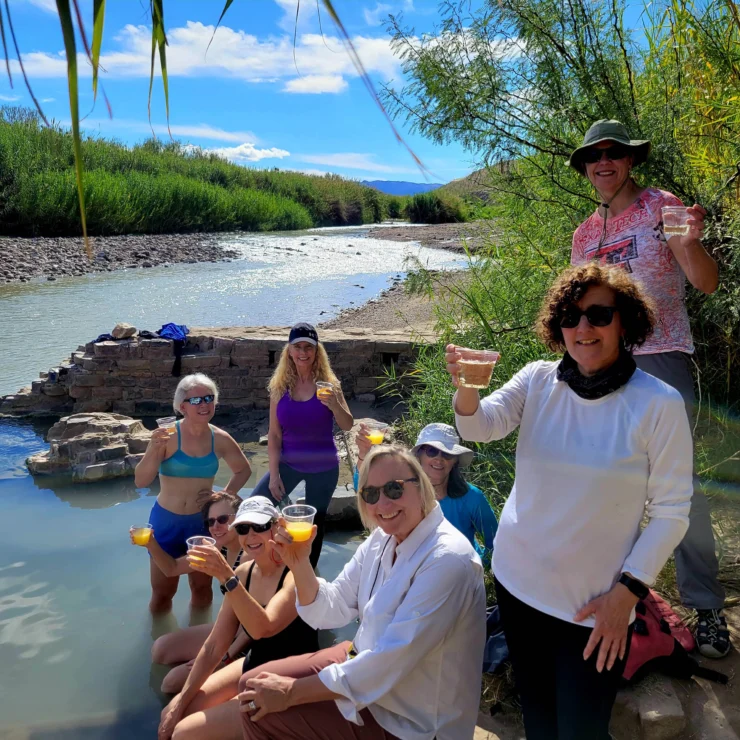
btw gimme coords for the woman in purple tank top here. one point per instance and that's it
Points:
(300, 441)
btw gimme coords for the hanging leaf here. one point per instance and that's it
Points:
(5, 48)
(159, 41)
(20, 63)
(98, 22)
(221, 17)
(70, 48)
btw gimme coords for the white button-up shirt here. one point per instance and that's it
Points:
(421, 636)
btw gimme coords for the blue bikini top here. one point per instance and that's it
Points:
(181, 465)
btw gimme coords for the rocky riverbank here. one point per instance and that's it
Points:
(54, 257)
(453, 237)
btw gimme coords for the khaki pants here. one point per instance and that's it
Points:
(319, 721)
(697, 568)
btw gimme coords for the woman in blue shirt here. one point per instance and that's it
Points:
(464, 505)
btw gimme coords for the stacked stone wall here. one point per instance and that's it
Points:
(134, 376)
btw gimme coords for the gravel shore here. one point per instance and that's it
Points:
(49, 257)
(438, 236)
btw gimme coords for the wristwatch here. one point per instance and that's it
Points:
(230, 585)
(638, 588)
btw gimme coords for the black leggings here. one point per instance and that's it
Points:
(563, 696)
(320, 488)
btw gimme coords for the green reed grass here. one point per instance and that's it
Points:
(436, 208)
(158, 187)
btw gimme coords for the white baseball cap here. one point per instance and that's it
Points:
(444, 438)
(255, 510)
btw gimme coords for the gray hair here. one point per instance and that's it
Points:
(188, 383)
(426, 490)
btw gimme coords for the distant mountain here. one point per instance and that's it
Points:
(393, 187)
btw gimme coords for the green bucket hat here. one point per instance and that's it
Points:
(609, 130)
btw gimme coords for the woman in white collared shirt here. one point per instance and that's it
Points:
(416, 584)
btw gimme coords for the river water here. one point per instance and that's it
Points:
(280, 279)
(75, 631)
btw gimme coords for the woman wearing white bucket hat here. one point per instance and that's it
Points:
(464, 505)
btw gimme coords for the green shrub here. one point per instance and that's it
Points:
(432, 208)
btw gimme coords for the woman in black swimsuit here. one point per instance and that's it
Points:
(260, 597)
(218, 510)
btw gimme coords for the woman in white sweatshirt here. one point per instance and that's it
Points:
(600, 442)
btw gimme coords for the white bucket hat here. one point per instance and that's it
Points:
(444, 438)
(255, 510)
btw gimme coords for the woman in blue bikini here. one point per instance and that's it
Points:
(187, 463)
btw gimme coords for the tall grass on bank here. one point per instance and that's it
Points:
(156, 187)
(436, 208)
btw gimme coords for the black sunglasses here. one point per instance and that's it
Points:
(593, 155)
(430, 451)
(223, 519)
(198, 400)
(244, 527)
(595, 315)
(393, 490)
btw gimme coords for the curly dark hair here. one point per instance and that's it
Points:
(636, 309)
(208, 498)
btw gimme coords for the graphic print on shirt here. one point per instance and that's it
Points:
(619, 252)
(635, 242)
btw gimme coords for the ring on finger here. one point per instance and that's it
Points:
(251, 706)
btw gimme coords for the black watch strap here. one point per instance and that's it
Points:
(638, 588)
(230, 585)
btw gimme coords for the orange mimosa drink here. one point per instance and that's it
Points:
(142, 535)
(299, 531)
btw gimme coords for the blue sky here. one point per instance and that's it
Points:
(245, 97)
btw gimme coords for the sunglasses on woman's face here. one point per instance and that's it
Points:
(244, 528)
(595, 315)
(430, 451)
(198, 400)
(393, 490)
(593, 155)
(223, 519)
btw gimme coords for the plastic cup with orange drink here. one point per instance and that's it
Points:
(299, 521)
(323, 389)
(141, 535)
(168, 423)
(376, 432)
(196, 541)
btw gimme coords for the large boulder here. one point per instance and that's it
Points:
(92, 447)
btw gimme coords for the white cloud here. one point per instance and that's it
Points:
(378, 15)
(197, 130)
(49, 6)
(48, 100)
(316, 84)
(234, 54)
(9, 98)
(306, 15)
(245, 153)
(351, 161)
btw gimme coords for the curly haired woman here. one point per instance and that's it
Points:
(601, 443)
(300, 440)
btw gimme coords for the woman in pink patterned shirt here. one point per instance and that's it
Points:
(627, 230)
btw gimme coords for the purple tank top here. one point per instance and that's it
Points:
(308, 435)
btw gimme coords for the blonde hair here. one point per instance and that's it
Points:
(426, 490)
(188, 383)
(285, 376)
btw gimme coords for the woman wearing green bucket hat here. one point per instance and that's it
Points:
(627, 230)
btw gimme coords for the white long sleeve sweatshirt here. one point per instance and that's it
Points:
(585, 471)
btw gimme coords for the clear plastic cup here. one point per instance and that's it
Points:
(376, 431)
(476, 367)
(299, 521)
(323, 389)
(192, 542)
(168, 423)
(142, 535)
(675, 221)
